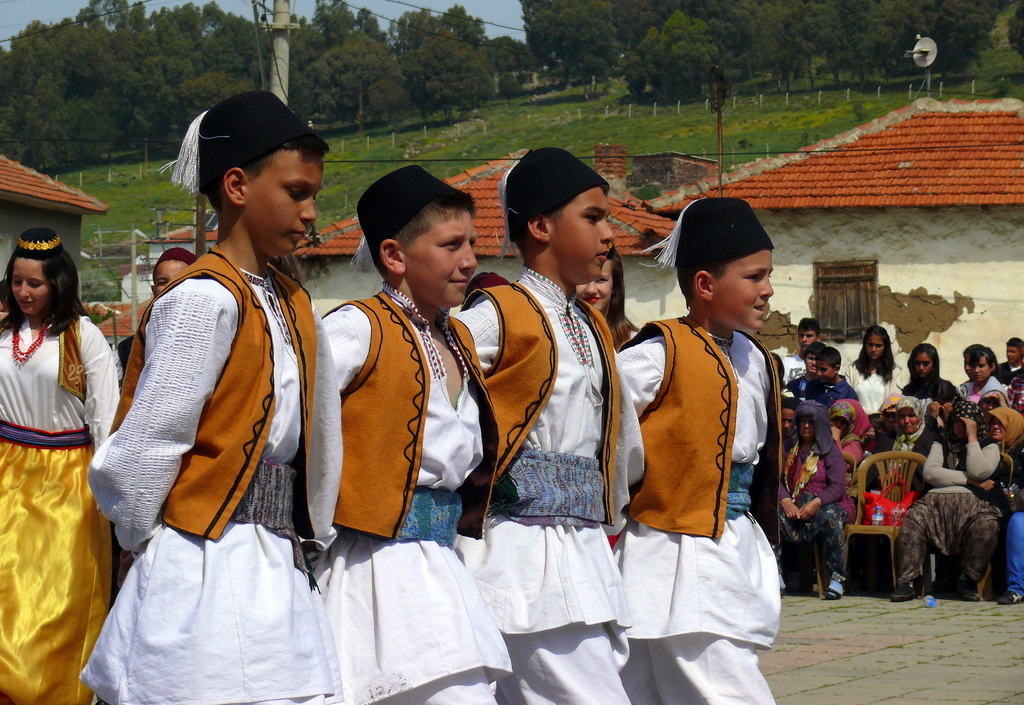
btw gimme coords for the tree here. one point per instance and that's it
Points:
(367, 24)
(672, 61)
(573, 33)
(509, 87)
(783, 45)
(508, 55)
(333, 20)
(343, 76)
(447, 76)
(1016, 29)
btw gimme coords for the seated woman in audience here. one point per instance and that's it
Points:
(813, 503)
(874, 375)
(992, 400)
(980, 364)
(607, 294)
(962, 507)
(849, 427)
(912, 434)
(924, 372)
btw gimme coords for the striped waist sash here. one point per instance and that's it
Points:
(34, 438)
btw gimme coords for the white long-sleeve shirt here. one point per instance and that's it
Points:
(200, 621)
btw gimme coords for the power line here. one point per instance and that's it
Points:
(72, 23)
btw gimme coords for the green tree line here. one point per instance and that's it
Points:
(121, 73)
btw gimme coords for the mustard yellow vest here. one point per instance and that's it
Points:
(523, 374)
(688, 432)
(383, 413)
(235, 422)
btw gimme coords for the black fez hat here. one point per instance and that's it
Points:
(38, 243)
(393, 200)
(713, 229)
(241, 128)
(544, 178)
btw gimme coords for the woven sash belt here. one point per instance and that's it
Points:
(34, 438)
(433, 516)
(737, 503)
(550, 489)
(268, 502)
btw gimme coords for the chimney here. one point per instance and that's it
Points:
(610, 162)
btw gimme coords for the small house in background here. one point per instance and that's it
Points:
(912, 221)
(182, 237)
(29, 199)
(670, 170)
(331, 280)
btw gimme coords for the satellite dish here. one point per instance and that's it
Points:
(923, 52)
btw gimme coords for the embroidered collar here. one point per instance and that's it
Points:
(422, 326)
(547, 288)
(571, 324)
(725, 345)
(265, 284)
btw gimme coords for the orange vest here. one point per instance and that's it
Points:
(235, 422)
(383, 413)
(688, 432)
(523, 374)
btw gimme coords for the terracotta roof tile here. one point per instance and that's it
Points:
(21, 184)
(925, 154)
(635, 228)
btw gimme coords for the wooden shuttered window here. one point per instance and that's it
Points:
(846, 298)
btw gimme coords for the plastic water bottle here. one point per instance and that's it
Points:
(930, 601)
(877, 517)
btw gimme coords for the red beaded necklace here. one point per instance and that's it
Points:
(20, 358)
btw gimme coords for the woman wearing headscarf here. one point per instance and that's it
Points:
(813, 503)
(1007, 427)
(849, 427)
(962, 507)
(912, 434)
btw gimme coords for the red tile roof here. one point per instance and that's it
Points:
(122, 314)
(20, 184)
(186, 234)
(926, 154)
(635, 228)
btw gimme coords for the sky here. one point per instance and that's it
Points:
(16, 14)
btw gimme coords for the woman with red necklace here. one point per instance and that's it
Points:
(58, 396)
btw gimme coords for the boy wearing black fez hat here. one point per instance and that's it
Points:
(224, 465)
(418, 437)
(699, 570)
(544, 564)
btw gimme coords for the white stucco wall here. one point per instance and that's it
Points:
(976, 252)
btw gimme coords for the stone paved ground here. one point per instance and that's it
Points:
(865, 650)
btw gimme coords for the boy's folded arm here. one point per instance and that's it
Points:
(642, 369)
(188, 339)
(482, 322)
(348, 334)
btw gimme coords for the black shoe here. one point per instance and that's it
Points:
(904, 593)
(968, 589)
(1010, 598)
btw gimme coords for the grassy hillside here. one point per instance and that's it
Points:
(758, 121)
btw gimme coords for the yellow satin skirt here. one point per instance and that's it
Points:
(55, 571)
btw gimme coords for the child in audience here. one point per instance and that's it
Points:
(807, 331)
(850, 426)
(699, 570)
(1014, 361)
(874, 375)
(798, 386)
(939, 408)
(830, 385)
(924, 372)
(410, 624)
(980, 364)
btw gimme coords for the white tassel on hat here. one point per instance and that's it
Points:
(186, 166)
(362, 262)
(670, 245)
(507, 246)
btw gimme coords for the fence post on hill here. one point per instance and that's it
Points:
(787, 100)
(655, 109)
(819, 97)
(972, 86)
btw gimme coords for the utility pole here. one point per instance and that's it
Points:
(200, 249)
(719, 89)
(279, 33)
